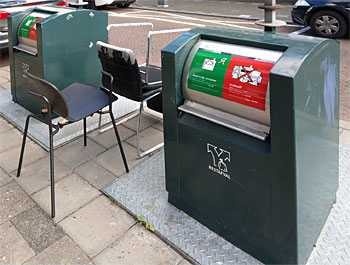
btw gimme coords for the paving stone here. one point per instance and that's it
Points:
(10, 139)
(3, 80)
(112, 160)
(97, 225)
(4, 125)
(4, 178)
(74, 154)
(185, 262)
(6, 86)
(148, 139)
(13, 201)
(344, 124)
(147, 120)
(138, 246)
(36, 176)
(64, 251)
(159, 126)
(71, 194)
(37, 228)
(4, 73)
(9, 159)
(345, 138)
(95, 174)
(108, 139)
(13, 248)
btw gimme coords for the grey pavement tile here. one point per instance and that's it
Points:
(36, 176)
(4, 178)
(10, 139)
(108, 139)
(5, 86)
(95, 174)
(64, 251)
(75, 153)
(185, 262)
(112, 160)
(4, 125)
(149, 138)
(13, 201)
(71, 194)
(147, 120)
(3, 80)
(13, 248)
(345, 137)
(159, 125)
(97, 225)
(138, 246)
(9, 159)
(37, 228)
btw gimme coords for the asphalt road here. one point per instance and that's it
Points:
(243, 8)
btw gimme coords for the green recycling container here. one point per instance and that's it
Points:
(251, 136)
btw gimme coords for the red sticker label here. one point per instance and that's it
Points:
(32, 32)
(246, 82)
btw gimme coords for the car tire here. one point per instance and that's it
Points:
(91, 4)
(123, 5)
(328, 24)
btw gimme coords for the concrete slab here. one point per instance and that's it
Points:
(97, 225)
(64, 251)
(71, 194)
(13, 201)
(159, 126)
(75, 153)
(4, 73)
(37, 228)
(138, 246)
(344, 124)
(10, 139)
(9, 159)
(147, 120)
(112, 160)
(95, 174)
(185, 262)
(36, 176)
(13, 248)
(149, 138)
(108, 139)
(345, 138)
(4, 178)
(4, 125)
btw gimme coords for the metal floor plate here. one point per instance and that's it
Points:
(142, 193)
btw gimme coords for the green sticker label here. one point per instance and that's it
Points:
(207, 72)
(26, 25)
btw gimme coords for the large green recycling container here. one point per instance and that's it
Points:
(56, 44)
(251, 136)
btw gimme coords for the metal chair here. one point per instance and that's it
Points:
(122, 74)
(74, 103)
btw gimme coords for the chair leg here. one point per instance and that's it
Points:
(23, 146)
(85, 141)
(138, 130)
(52, 171)
(119, 141)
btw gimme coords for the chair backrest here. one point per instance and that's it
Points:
(121, 63)
(48, 90)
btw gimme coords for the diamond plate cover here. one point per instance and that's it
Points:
(142, 192)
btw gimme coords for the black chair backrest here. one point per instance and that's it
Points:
(48, 90)
(121, 63)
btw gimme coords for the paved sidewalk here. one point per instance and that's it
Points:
(88, 227)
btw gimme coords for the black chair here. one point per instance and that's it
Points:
(123, 75)
(74, 103)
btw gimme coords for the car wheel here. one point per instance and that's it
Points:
(328, 24)
(91, 4)
(123, 5)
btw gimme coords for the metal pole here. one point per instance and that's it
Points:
(270, 23)
(162, 3)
